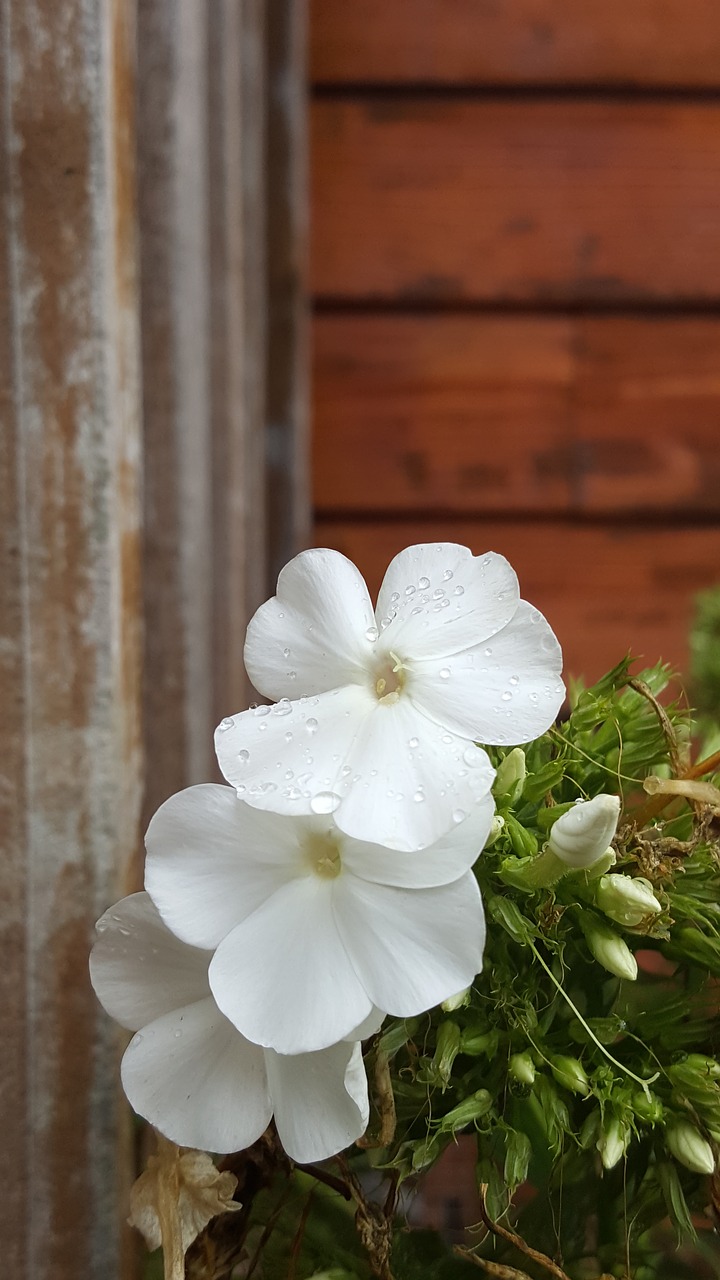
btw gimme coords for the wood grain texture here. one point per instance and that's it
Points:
(482, 414)
(550, 202)
(70, 754)
(648, 42)
(603, 589)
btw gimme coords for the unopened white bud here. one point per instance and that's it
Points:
(689, 1147)
(609, 949)
(627, 899)
(457, 1002)
(613, 1142)
(496, 827)
(582, 835)
(510, 776)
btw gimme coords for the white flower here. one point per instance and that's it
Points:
(581, 836)
(189, 1071)
(378, 712)
(311, 928)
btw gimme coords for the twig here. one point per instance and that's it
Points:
(328, 1180)
(496, 1269)
(678, 764)
(512, 1238)
(297, 1242)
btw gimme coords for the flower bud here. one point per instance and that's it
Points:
(447, 1047)
(627, 899)
(496, 827)
(570, 1074)
(510, 776)
(472, 1108)
(479, 1043)
(522, 1068)
(523, 842)
(647, 1106)
(608, 948)
(582, 835)
(707, 1067)
(456, 1002)
(689, 1147)
(612, 1143)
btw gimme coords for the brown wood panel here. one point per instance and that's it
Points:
(646, 42)
(435, 200)
(484, 414)
(70, 750)
(604, 589)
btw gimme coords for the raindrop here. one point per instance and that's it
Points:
(226, 724)
(286, 653)
(136, 1040)
(325, 802)
(289, 774)
(395, 597)
(262, 728)
(261, 711)
(288, 736)
(423, 583)
(444, 604)
(506, 696)
(447, 575)
(345, 771)
(410, 591)
(102, 925)
(459, 591)
(473, 755)
(292, 675)
(311, 725)
(459, 815)
(438, 594)
(533, 697)
(444, 673)
(414, 612)
(413, 743)
(371, 634)
(123, 929)
(419, 797)
(241, 789)
(292, 793)
(487, 652)
(514, 680)
(178, 1033)
(448, 738)
(548, 643)
(283, 707)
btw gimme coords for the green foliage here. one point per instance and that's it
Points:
(563, 1072)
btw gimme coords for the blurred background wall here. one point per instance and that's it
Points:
(516, 279)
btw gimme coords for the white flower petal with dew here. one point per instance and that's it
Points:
(192, 1074)
(389, 704)
(286, 971)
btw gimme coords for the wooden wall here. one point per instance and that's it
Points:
(141, 325)
(516, 272)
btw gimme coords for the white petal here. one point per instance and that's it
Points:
(212, 860)
(440, 863)
(283, 757)
(316, 633)
(438, 598)
(320, 1100)
(411, 780)
(504, 692)
(197, 1080)
(412, 948)
(138, 969)
(283, 976)
(367, 1027)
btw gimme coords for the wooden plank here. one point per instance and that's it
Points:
(550, 202)
(649, 42)
(604, 589)
(70, 752)
(480, 414)
(288, 480)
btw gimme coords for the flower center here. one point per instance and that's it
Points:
(323, 852)
(390, 679)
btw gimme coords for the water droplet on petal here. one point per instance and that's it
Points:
(447, 575)
(292, 675)
(243, 756)
(395, 597)
(533, 697)
(487, 652)
(444, 673)
(506, 696)
(474, 755)
(410, 591)
(102, 925)
(286, 653)
(226, 724)
(547, 642)
(413, 743)
(371, 634)
(458, 591)
(423, 583)
(514, 680)
(311, 725)
(438, 594)
(178, 1033)
(448, 738)
(292, 793)
(289, 736)
(325, 802)
(261, 711)
(459, 815)
(283, 707)
(136, 1040)
(414, 612)
(419, 797)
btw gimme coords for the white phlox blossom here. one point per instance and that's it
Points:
(377, 713)
(192, 1074)
(581, 836)
(311, 928)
